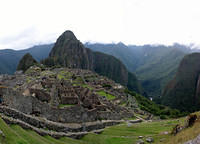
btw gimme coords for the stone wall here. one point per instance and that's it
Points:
(77, 113)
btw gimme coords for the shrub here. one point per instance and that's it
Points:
(156, 109)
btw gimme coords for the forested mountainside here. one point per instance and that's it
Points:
(183, 92)
(154, 65)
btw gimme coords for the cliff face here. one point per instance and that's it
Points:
(70, 52)
(183, 91)
(198, 87)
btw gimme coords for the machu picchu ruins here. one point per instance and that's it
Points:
(69, 102)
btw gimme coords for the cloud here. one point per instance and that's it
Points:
(26, 23)
(25, 39)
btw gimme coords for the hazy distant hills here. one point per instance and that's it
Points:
(9, 59)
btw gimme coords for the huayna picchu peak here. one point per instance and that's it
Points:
(69, 52)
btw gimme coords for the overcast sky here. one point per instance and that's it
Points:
(24, 23)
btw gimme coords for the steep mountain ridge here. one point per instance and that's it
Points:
(70, 52)
(182, 92)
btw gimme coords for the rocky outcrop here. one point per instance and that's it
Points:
(70, 52)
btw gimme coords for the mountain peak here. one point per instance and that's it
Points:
(70, 52)
(69, 35)
(26, 62)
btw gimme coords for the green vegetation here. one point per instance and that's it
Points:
(156, 109)
(65, 105)
(26, 62)
(119, 134)
(14, 134)
(108, 96)
(33, 70)
(153, 65)
(87, 86)
(64, 75)
(124, 134)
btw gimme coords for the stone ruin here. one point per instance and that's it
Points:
(61, 97)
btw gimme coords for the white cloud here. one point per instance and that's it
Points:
(28, 22)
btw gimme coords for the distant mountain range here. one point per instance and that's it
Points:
(154, 65)
(9, 59)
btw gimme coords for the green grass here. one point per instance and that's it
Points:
(87, 86)
(119, 134)
(108, 96)
(14, 134)
(64, 75)
(12, 137)
(65, 105)
(123, 134)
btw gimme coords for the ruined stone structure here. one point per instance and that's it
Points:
(58, 99)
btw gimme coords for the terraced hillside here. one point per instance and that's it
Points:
(126, 133)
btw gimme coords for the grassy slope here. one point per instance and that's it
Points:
(16, 135)
(119, 134)
(108, 96)
(124, 134)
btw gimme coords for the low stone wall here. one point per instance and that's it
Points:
(43, 132)
(59, 127)
(79, 113)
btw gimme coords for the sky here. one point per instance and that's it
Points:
(24, 23)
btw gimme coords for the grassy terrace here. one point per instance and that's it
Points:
(108, 96)
(64, 75)
(123, 134)
(119, 134)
